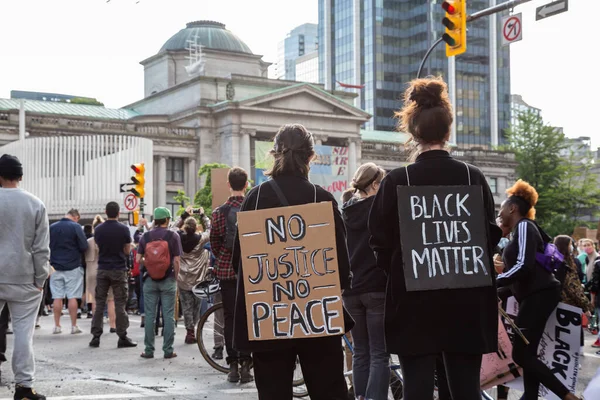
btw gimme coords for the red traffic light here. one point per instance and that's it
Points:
(449, 8)
(138, 168)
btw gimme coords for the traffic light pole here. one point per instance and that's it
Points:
(479, 14)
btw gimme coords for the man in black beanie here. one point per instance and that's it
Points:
(25, 249)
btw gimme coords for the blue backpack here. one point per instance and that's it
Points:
(551, 259)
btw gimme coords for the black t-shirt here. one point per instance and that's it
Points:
(111, 236)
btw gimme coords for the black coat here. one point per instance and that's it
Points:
(429, 322)
(366, 277)
(297, 190)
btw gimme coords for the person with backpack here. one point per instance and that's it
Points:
(160, 250)
(222, 238)
(534, 286)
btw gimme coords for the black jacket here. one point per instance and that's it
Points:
(521, 272)
(593, 286)
(366, 277)
(297, 190)
(430, 322)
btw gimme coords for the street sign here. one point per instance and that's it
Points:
(550, 9)
(122, 187)
(131, 202)
(512, 29)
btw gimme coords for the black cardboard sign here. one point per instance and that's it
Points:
(443, 237)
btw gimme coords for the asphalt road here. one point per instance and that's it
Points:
(67, 369)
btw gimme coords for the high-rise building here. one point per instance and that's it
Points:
(378, 47)
(307, 68)
(300, 41)
(518, 106)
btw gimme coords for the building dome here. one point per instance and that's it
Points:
(210, 34)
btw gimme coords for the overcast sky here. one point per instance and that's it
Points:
(93, 48)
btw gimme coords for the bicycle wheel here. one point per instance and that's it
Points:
(210, 335)
(492, 394)
(299, 387)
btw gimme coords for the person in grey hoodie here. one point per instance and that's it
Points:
(25, 249)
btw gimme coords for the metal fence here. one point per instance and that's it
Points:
(82, 172)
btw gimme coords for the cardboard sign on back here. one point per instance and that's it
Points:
(290, 272)
(443, 237)
(219, 186)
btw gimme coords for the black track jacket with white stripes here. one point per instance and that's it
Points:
(521, 272)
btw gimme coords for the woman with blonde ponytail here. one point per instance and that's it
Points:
(535, 288)
(366, 299)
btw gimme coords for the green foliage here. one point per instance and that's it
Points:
(203, 197)
(566, 186)
(85, 100)
(183, 200)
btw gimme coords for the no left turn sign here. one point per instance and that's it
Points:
(131, 202)
(512, 29)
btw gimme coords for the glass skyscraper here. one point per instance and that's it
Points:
(379, 44)
(300, 41)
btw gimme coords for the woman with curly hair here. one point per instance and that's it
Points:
(535, 288)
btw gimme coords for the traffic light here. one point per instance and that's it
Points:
(138, 180)
(455, 22)
(136, 217)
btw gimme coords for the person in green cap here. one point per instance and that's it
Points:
(160, 250)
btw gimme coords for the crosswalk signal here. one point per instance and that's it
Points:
(455, 22)
(138, 180)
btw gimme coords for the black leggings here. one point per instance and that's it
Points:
(462, 372)
(534, 312)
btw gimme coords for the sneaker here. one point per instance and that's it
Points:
(596, 343)
(125, 342)
(57, 330)
(90, 315)
(218, 354)
(95, 342)
(113, 330)
(79, 315)
(75, 330)
(23, 393)
(9, 330)
(37, 323)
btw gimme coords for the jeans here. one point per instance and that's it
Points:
(534, 312)
(462, 372)
(23, 301)
(117, 280)
(141, 301)
(370, 362)
(165, 291)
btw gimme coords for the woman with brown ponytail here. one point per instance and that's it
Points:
(467, 318)
(366, 299)
(535, 288)
(321, 358)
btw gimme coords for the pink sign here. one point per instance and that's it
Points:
(499, 368)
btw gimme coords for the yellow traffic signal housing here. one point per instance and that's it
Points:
(455, 22)
(136, 217)
(138, 180)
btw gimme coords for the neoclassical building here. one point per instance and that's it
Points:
(207, 99)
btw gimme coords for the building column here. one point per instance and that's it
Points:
(190, 187)
(245, 151)
(161, 196)
(320, 139)
(352, 159)
(234, 156)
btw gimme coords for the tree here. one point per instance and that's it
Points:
(565, 186)
(203, 197)
(85, 100)
(183, 200)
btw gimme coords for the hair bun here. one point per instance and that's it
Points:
(428, 93)
(525, 191)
